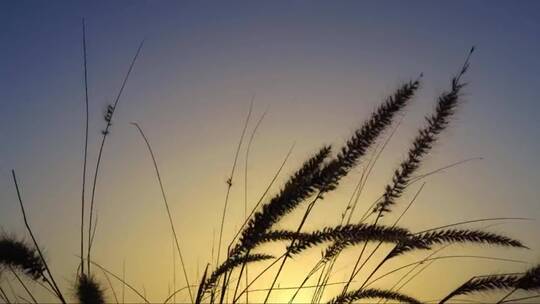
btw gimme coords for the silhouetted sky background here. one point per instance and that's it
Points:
(319, 67)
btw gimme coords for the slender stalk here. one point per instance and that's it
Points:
(300, 226)
(172, 295)
(229, 186)
(522, 299)
(421, 146)
(108, 118)
(351, 206)
(111, 286)
(507, 295)
(23, 285)
(306, 278)
(244, 266)
(413, 269)
(318, 291)
(15, 295)
(174, 268)
(475, 221)
(480, 257)
(356, 270)
(367, 172)
(255, 209)
(263, 195)
(54, 286)
(248, 149)
(4, 296)
(122, 281)
(230, 180)
(85, 153)
(258, 276)
(166, 206)
(94, 228)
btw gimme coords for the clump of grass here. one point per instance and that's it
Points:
(317, 176)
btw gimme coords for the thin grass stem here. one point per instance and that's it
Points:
(54, 286)
(111, 110)
(164, 196)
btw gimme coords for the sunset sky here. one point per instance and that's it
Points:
(318, 68)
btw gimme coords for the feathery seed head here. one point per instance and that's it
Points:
(231, 263)
(483, 284)
(88, 290)
(449, 236)
(424, 141)
(373, 294)
(531, 279)
(19, 255)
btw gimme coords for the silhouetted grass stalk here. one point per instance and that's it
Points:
(164, 196)
(248, 149)
(50, 279)
(421, 146)
(230, 180)
(111, 109)
(22, 284)
(85, 153)
(124, 283)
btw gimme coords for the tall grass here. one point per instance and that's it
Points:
(317, 176)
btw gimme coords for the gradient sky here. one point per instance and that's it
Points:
(319, 67)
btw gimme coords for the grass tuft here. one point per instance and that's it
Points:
(88, 290)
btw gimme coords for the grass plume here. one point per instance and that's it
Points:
(424, 141)
(88, 290)
(297, 189)
(232, 263)
(530, 280)
(452, 236)
(19, 255)
(356, 147)
(349, 235)
(483, 284)
(373, 294)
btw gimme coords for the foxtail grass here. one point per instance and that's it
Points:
(89, 291)
(18, 255)
(373, 294)
(322, 173)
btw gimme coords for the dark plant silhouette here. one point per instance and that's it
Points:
(21, 256)
(317, 176)
(89, 291)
